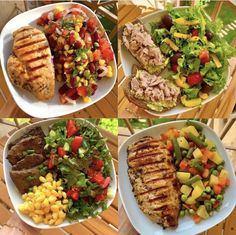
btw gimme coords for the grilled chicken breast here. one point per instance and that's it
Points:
(153, 178)
(30, 66)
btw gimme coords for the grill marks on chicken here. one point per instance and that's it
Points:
(153, 178)
(30, 66)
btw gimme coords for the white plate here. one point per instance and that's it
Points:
(24, 99)
(128, 61)
(186, 225)
(14, 194)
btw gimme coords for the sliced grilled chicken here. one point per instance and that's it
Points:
(30, 66)
(153, 178)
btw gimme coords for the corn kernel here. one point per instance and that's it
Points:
(37, 219)
(54, 215)
(70, 52)
(59, 8)
(86, 99)
(51, 221)
(66, 47)
(45, 203)
(109, 68)
(52, 199)
(65, 201)
(202, 95)
(101, 62)
(42, 179)
(109, 74)
(58, 183)
(58, 221)
(77, 28)
(64, 195)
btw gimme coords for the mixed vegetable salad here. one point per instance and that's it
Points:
(196, 54)
(200, 171)
(75, 178)
(81, 53)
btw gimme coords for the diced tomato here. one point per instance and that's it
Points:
(204, 56)
(197, 219)
(74, 11)
(91, 24)
(94, 88)
(58, 15)
(61, 152)
(216, 204)
(193, 170)
(169, 146)
(76, 143)
(50, 29)
(88, 40)
(102, 196)
(207, 153)
(174, 68)
(217, 189)
(194, 78)
(51, 161)
(106, 51)
(65, 32)
(73, 193)
(97, 55)
(106, 182)
(43, 19)
(223, 181)
(71, 128)
(194, 32)
(183, 165)
(97, 164)
(82, 91)
(82, 32)
(98, 178)
(91, 172)
(171, 133)
(72, 39)
(205, 173)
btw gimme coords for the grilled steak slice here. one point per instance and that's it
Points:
(16, 153)
(29, 161)
(153, 178)
(25, 179)
(30, 66)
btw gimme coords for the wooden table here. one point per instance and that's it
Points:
(220, 107)
(105, 224)
(226, 227)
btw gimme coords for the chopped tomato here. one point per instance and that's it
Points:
(43, 19)
(91, 24)
(71, 128)
(97, 164)
(194, 78)
(88, 40)
(102, 196)
(197, 219)
(50, 29)
(106, 51)
(183, 165)
(205, 173)
(169, 146)
(174, 68)
(171, 133)
(204, 159)
(223, 181)
(204, 56)
(76, 143)
(207, 153)
(61, 152)
(216, 204)
(97, 54)
(58, 14)
(94, 88)
(217, 189)
(91, 172)
(106, 182)
(193, 170)
(98, 178)
(73, 193)
(82, 91)
(74, 11)
(194, 32)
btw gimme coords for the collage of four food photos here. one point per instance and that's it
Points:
(118, 117)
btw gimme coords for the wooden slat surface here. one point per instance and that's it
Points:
(214, 109)
(226, 227)
(105, 224)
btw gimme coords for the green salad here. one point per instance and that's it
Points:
(78, 156)
(197, 55)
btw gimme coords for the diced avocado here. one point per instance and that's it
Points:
(197, 192)
(224, 173)
(213, 180)
(217, 158)
(199, 184)
(183, 176)
(161, 105)
(189, 129)
(216, 60)
(190, 103)
(66, 147)
(185, 189)
(197, 153)
(52, 133)
(202, 212)
(183, 143)
(171, 44)
(209, 143)
(190, 200)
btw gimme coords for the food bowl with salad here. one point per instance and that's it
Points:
(192, 53)
(59, 172)
(205, 183)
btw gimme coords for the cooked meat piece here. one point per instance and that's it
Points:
(36, 131)
(30, 66)
(29, 161)
(25, 179)
(153, 178)
(16, 153)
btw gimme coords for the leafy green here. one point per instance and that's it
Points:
(192, 92)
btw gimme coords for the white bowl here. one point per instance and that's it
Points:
(24, 99)
(128, 61)
(14, 194)
(186, 225)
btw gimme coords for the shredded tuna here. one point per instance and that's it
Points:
(153, 87)
(140, 43)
